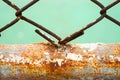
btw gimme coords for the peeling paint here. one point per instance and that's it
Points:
(43, 61)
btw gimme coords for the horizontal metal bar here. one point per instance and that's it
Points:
(43, 61)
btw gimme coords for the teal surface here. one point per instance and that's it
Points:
(63, 17)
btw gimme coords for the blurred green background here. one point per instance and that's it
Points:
(63, 17)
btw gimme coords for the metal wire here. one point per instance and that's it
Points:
(103, 14)
(19, 16)
(67, 39)
(104, 10)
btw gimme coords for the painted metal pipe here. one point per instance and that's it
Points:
(44, 61)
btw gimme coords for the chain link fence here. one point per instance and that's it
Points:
(67, 39)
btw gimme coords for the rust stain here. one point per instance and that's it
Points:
(43, 61)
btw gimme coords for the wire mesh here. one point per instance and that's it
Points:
(67, 39)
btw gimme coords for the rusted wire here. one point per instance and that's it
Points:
(67, 39)
(19, 16)
(103, 14)
(10, 24)
(44, 36)
(104, 10)
(41, 27)
(81, 31)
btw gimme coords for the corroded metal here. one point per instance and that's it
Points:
(43, 61)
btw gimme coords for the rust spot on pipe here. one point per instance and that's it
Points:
(44, 61)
